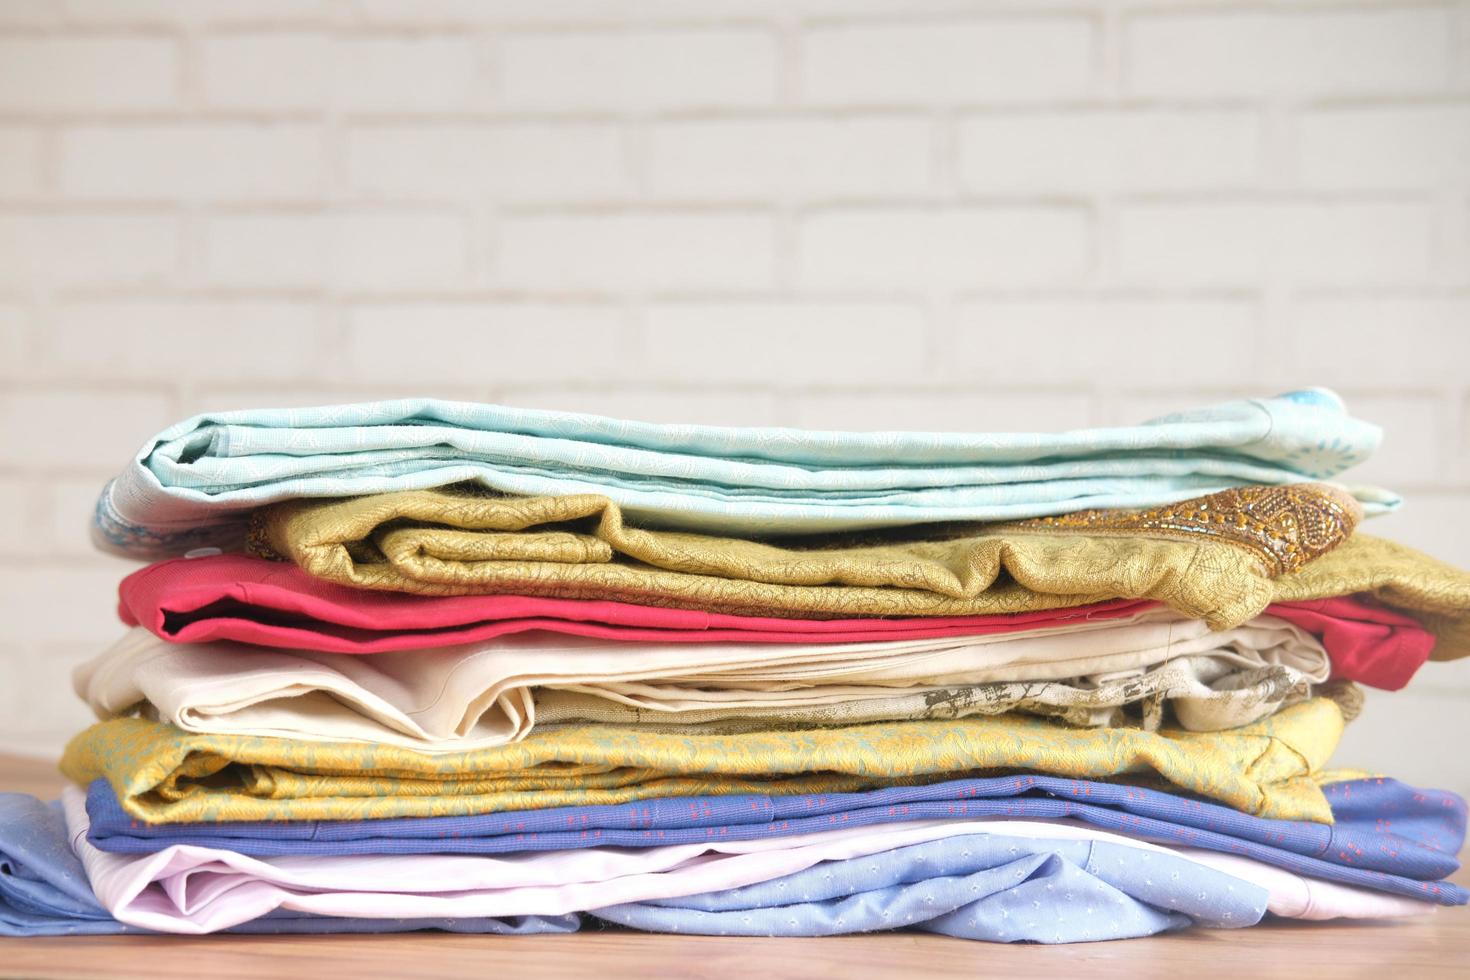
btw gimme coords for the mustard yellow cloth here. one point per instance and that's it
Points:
(162, 774)
(1211, 558)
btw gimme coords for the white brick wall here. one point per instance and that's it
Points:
(207, 161)
(635, 251)
(82, 72)
(1245, 243)
(638, 71)
(556, 162)
(1393, 48)
(944, 61)
(794, 157)
(951, 214)
(44, 250)
(1081, 151)
(943, 248)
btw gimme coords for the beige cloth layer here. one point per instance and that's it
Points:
(1211, 558)
(1204, 693)
(488, 694)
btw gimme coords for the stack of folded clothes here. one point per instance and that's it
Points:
(418, 664)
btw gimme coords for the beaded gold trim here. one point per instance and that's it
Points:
(1284, 527)
(256, 540)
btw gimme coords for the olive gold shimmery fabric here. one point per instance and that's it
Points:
(163, 775)
(1211, 558)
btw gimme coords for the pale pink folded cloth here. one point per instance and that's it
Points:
(1296, 897)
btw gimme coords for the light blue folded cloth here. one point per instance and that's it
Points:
(193, 484)
(984, 886)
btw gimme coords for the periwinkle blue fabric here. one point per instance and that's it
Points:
(192, 483)
(1405, 855)
(44, 890)
(986, 887)
(1385, 825)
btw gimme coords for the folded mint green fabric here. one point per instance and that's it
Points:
(193, 484)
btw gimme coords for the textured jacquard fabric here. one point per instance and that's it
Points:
(457, 542)
(1005, 569)
(189, 485)
(162, 774)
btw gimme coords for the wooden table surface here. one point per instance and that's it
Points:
(1436, 946)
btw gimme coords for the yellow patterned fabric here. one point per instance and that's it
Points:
(1210, 558)
(162, 774)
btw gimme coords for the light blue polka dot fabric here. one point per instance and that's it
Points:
(987, 887)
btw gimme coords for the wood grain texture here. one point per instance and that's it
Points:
(1438, 946)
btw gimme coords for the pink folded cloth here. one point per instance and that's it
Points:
(276, 604)
(1366, 641)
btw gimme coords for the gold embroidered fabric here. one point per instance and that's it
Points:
(161, 774)
(1215, 565)
(1283, 527)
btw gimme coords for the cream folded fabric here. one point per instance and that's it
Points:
(488, 694)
